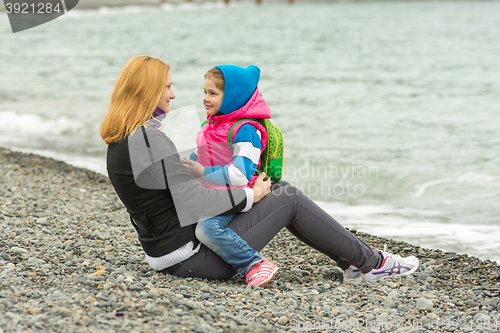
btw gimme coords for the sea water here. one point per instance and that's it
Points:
(390, 110)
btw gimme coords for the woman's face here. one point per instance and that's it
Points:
(166, 95)
(213, 98)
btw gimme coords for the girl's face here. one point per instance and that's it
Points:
(166, 95)
(213, 98)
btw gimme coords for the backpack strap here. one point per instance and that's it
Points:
(230, 136)
(203, 124)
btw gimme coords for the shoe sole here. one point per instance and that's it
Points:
(348, 280)
(266, 281)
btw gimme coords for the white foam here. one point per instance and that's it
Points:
(80, 12)
(33, 125)
(467, 179)
(125, 9)
(476, 178)
(106, 10)
(192, 6)
(422, 188)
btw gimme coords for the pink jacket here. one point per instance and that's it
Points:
(212, 139)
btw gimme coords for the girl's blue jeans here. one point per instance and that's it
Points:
(213, 233)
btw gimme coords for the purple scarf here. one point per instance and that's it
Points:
(158, 116)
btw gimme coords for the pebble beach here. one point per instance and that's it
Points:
(70, 261)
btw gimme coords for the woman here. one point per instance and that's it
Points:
(165, 202)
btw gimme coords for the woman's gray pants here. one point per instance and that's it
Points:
(286, 206)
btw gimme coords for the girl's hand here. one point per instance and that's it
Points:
(196, 169)
(261, 187)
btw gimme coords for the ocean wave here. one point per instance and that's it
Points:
(192, 5)
(104, 10)
(107, 10)
(422, 188)
(34, 125)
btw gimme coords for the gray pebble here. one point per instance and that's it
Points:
(470, 303)
(482, 317)
(424, 303)
(392, 304)
(134, 287)
(153, 293)
(404, 308)
(42, 221)
(108, 285)
(485, 302)
(34, 260)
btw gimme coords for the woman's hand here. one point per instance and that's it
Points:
(261, 187)
(196, 169)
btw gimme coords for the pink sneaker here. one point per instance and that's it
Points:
(261, 273)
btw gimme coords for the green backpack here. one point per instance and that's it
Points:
(271, 159)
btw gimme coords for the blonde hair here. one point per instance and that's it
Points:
(134, 98)
(216, 75)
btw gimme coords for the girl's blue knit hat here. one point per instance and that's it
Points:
(239, 85)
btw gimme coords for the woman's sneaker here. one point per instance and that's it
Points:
(392, 266)
(261, 273)
(353, 275)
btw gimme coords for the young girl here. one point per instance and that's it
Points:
(231, 94)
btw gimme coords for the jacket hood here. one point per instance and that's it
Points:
(256, 107)
(239, 86)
